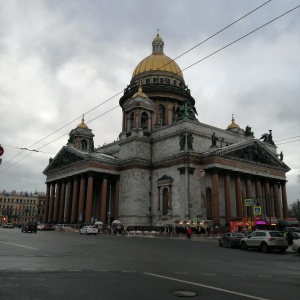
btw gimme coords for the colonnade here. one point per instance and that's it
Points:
(260, 189)
(81, 198)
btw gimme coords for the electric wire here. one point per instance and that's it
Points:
(182, 71)
(154, 71)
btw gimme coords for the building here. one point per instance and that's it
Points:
(166, 168)
(20, 207)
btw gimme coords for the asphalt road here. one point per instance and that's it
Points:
(64, 265)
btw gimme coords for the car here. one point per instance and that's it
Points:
(48, 227)
(61, 227)
(29, 226)
(231, 239)
(88, 230)
(8, 225)
(40, 226)
(296, 246)
(265, 240)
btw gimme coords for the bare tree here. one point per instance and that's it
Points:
(294, 209)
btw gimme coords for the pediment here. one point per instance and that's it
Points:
(253, 152)
(64, 158)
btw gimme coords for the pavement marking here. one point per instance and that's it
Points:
(18, 245)
(207, 286)
(3, 268)
(51, 269)
(100, 270)
(129, 271)
(27, 269)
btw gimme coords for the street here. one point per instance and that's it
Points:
(65, 265)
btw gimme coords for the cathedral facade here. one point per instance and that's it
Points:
(166, 168)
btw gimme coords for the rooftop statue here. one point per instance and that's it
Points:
(267, 138)
(248, 131)
(185, 112)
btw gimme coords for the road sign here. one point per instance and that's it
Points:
(248, 202)
(201, 173)
(1, 150)
(257, 210)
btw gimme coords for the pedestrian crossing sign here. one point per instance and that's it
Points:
(257, 210)
(248, 202)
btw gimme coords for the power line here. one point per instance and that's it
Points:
(240, 38)
(288, 138)
(149, 74)
(52, 142)
(156, 70)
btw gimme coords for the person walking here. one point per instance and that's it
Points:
(189, 233)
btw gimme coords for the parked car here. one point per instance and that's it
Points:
(61, 227)
(296, 246)
(48, 227)
(88, 230)
(40, 226)
(231, 239)
(265, 240)
(8, 225)
(29, 226)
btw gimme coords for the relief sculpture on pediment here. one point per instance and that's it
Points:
(65, 159)
(254, 153)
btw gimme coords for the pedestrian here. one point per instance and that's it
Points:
(189, 233)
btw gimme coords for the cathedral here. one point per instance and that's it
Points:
(166, 168)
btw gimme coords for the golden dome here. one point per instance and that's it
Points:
(82, 124)
(157, 61)
(233, 125)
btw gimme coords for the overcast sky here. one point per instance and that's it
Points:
(61, 59)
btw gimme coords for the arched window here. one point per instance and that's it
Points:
(161, 115)
(165, 201)
(131, 120)
(209, 204)
(84, 144)
(144, 121)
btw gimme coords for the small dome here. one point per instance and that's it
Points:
(233, 124)
(82, 124)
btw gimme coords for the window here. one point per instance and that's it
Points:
(84, 144)
(175, 82)
(154, 80)
(161, 115)
(144, 120)
(166, 203)
(161, 80)
(131, 120)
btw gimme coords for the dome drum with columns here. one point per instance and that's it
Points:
(166, 168)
